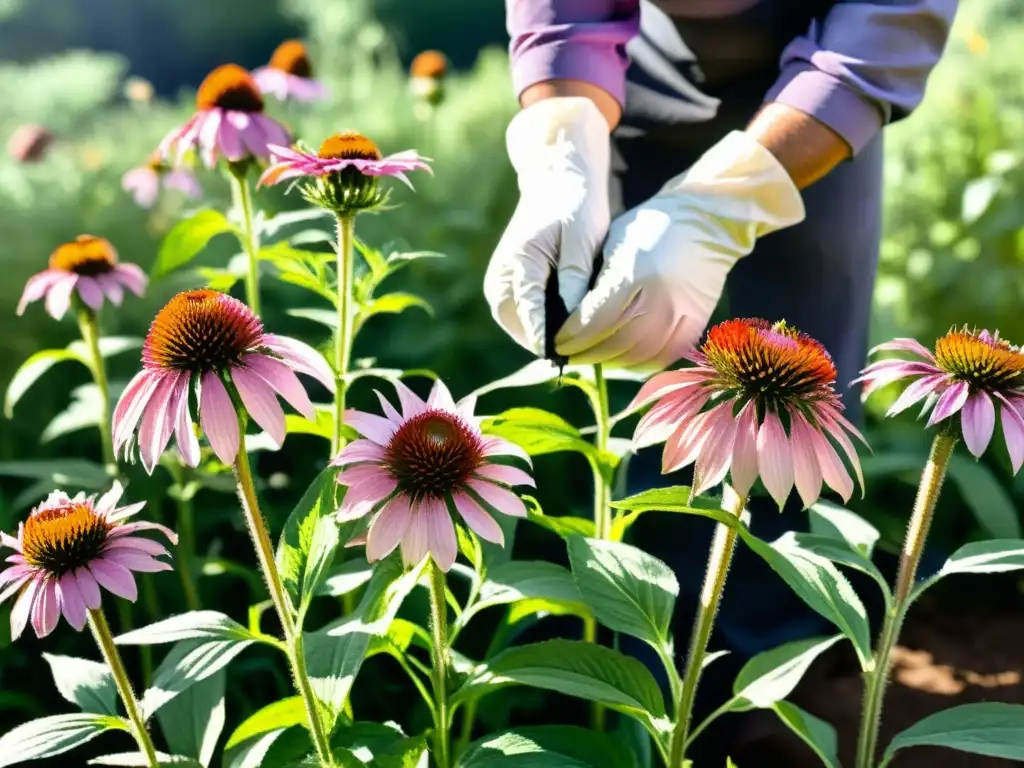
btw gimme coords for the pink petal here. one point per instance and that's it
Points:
(440, 397)
(389, 410)
(58, 297)
(158, 419)
(22, 609)
(832, 469)
(207, 131)
(362, 497)
(37, 286)
(131, 277)
(775, 458)
(950, 402)
(10, 542)
(478, 519)
(137, 544)
(359, 473)
(712, 464)
(302, 357)
(46, 610)
(416, 539)
(88, 589)
(465, 408)
(114, 578)
(106, 503)
(388, 528)
(743, 472)
(806, 469)
(261, 402)
(90, 291)
(411, 403)
(1013, 432)
(917, 391)
(836, 426)
(125, 512)
(499, 446)
(184, 433)
(218, 419)
(16, 585)
(667, 416)
(443, 544)
(662, 384)
(376, 428)
(127, 529)
(501, 499)
(978, 420)
(131, 405)
(134, 561)
(70, 599)
(684, 446)
(283, 380)
(904, 345)
(502, 473)
(229, 137)
(111, 288)
(359, 450)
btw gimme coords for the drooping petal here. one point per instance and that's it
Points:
(184, 433)
(917, 391)
(218, 419)
(478, 519)
(46, 610)
(1013, 431)
(362, 497)
(208, 130)
(502, 473)
(284, 381)
(229, 135)
(662, 384)
(114, 578)
(832, 469)
(806, 467)
(132, 405)
(37, 286)
(668, 416)
(158, 420)
(137, 543)
(712, 464)
(443, 544)
(131, 277)
(416, 539)
(388, 528)
(978, 420)
(501, 499)
(261, 403)
(22, 608)
(684, 446)
(904, 345)
(950, 402)
(775, 458)
(743, 471)
(90, 292)
(72, 605)
(88, 588)
(302, 357)
(58, 296)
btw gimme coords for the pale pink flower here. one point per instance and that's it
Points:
(210, 342)
(760, 402)
(70, 547)
(87, 266)
(144, 182)
(229, 121)
(289, 75)
(413, 470)
(969, 374)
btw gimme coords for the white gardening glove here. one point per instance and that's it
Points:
(560, 148)
(665, 261)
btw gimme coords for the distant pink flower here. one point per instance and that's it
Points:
(414, 469)
(970, 373)
(29, 143)
(210, 341)
(88, 265)
(229, 121)
(760, 401)
(69, 548)
(289, 75)
(145, 181)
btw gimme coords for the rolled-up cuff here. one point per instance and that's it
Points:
(598, 66)
(828, 99)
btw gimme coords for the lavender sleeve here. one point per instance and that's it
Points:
(573, 39)
(865, 64)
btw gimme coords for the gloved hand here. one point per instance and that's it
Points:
(665, 261)
(561, 151)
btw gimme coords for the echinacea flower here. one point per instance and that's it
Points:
(413, 470)
(426, 76)
(70, 547)
(87, 266)
(229, 121)
(209, 341)
(969, 374)
(760, 401)
(289, 75)
(145, 181)
(343, 172)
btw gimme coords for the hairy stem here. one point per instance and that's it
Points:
(343, 338)
(722, 547)
(250, 243)
(88, 324)
(439, 633)
(104, 639)
(913, 547)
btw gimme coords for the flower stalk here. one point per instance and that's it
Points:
(722, 547)
(876, 679)
(243, 200)
(104, 639)
(439, 635)
(182, 493)
(88, 324)
(343, 339)
(282, 604)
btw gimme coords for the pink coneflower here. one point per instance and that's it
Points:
(69, 548)
(760, 401)
(416, 468)
(211, 341)
(289, 75)
(89, 266)
(145, 181)
(970, 373)
(229, 121)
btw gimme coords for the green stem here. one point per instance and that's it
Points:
(185, 552)
(250, 243)
(343, 338)
(439, 633)
(104, 639)
(282, 603)
(88, 324)
(913, 547)
(711, 595)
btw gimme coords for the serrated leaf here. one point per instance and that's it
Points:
(628, 590)
(188, 662)
(309, 539)
(990, 729)
(193, 720)
(54, 735)
(187, 239)
(771, 676)
(193, 625)
(31, 370)
(86, 684)
(815, 732)
(537, 432)
(548, 746)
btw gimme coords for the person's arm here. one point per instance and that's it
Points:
(572, 48)
(864, 65)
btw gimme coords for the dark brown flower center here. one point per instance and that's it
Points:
(349, 145)
(86, 255)
(292, 57)
(201, 331)
(773, 364)
(229, 87)
(433, 454)
(64, 538)
(432, 64)
(981, 359)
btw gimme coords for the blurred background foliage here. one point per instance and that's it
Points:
(952, 253)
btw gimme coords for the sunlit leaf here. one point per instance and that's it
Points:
(193, 720)
(548, 746)
(991, 729)
(54, 735)
(537, 432)
(187, 239)
(815, 732)
(87, 684)
(30, 371)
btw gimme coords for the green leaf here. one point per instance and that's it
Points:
(990, 729)
(396, 303)
(109, 346)
(383, 743)
(673, 499)
(994, 556)
(309, 540)
(548, 746)
(294, 424)
(271, 227)
(771, 676)
(85, 411)
(537, 432)
(326, 317)
(55, 735)
(838, 551)
(193, 720)
(188, 662)
(335, 653)
(628, 590)
(815, 732)
(832, 521)
(346, 578)
(187, 238)
(561, 525)
(30, 371)
(139, 760)
(278, 715)
(193, 625)
(523, 579)
(61, 473)
(574, 668)
(86, 684)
